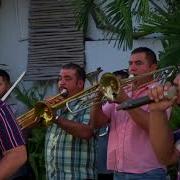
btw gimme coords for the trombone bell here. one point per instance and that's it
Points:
(109, 86)
(44, 112)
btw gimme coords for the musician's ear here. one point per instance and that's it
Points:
(80, 83)
(8, 85)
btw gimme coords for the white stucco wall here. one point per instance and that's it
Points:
(102, 54)
(13, 31)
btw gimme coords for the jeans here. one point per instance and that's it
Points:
(156, 174)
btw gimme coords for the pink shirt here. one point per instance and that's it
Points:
(129, 148)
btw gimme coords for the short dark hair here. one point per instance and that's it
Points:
(79, 70)
(5, 76)
(151, 56)
(123, 73)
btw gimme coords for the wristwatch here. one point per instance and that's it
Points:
(57, 117)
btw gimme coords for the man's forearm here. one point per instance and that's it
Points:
(76, 129)
(140, 117)
(12, 161)
(161, 137)
(98, 116)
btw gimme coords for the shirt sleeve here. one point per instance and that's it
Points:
(10, 134)
(84, 116)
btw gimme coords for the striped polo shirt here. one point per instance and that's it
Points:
(10, 134)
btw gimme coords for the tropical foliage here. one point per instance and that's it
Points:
(126, 20)
(115, 18)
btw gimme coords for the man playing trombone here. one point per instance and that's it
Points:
(70, 143)
(130, 153)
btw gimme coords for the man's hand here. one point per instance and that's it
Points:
(157, 94)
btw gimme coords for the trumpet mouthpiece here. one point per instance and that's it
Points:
(64, 92)
(131, 76)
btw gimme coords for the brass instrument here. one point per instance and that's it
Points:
(30, 118)
(43, 110)
(110, 86)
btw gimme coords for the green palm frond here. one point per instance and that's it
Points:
(171, 55)
(174, 120)
(120, 19)
(82, 10)
(23, 95)
(29, 97)
(119, 16)
(168, 25)
(114, 17)
(141, 9)
(36, 152)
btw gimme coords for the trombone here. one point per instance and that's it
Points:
(110, 86)
(43, 110)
